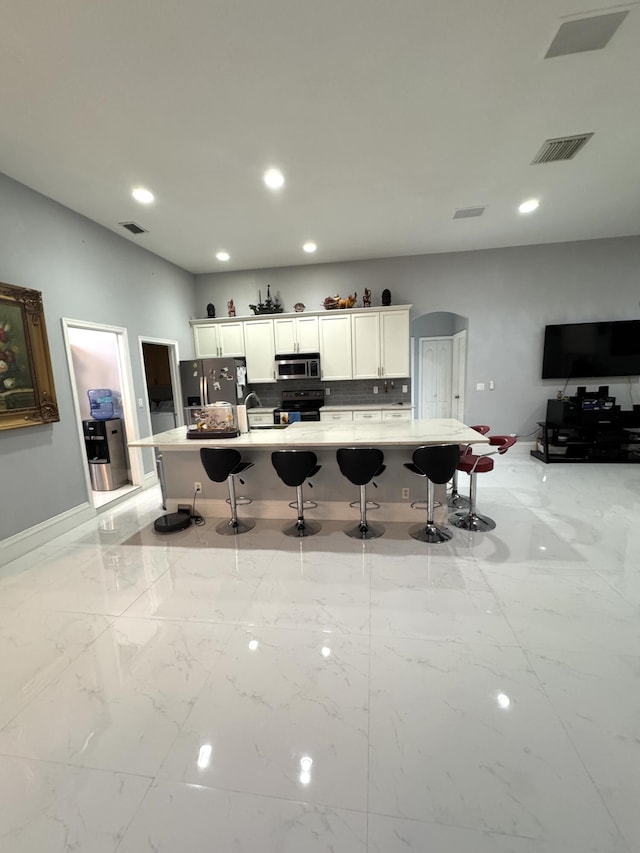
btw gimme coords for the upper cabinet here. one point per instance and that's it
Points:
(394, 344)
(365, 343)
(214, 340)
(296, 334)
(335, 346)
(381, 344)
(260, 350)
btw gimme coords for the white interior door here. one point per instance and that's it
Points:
(436, 368)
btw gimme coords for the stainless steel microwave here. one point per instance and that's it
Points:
(298, 366)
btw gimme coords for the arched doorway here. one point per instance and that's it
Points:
(439, 355)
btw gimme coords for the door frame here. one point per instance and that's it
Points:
(128, 397)
(174, 367)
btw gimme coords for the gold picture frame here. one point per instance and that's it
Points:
(27, 392)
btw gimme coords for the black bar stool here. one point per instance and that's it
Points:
(294, 467)
(456, 500)
(360, 465)
(220, 464)
(436, 463)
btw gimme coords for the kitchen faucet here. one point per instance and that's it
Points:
(252, 394)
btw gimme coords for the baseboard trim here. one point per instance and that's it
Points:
(40, 534)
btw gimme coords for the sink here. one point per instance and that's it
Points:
(269, 426)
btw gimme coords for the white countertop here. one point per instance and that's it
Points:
(318, 434)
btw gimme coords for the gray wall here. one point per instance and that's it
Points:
(85, 273)
(508, 296)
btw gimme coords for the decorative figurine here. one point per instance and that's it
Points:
(366, 299)
(336, 301)
(386, 296)
(231, 308)
(299, 307)
(211, 310)
(269, 306)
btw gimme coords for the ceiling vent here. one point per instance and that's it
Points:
(563, 148)
(468, 212)
(133, 227)
(585, 34)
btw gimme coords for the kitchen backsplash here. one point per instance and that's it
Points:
(344, 393)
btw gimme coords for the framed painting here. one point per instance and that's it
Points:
(27, 392)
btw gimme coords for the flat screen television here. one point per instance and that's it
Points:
(583, 350)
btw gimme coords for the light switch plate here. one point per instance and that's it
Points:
(479, 386)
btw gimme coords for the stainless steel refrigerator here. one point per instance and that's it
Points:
(209, 380)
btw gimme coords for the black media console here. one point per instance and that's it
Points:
(589, 428)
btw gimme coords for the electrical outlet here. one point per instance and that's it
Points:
(492, 385)
(375, 389)
(197, 487)
(327, 391)
(405, 389)
(405, 494)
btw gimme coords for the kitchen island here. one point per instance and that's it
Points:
(332, 492)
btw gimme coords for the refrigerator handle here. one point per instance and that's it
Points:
(203, 389)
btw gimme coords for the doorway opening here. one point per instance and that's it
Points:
(439, 350)
(160, 361)
(98, 359)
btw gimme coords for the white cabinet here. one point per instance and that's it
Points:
(369, 415)
(259, 418)
(335, 346)
(259, 350)
(394, 341)
(215, 340)
(335, 416)
(366, 345)
(296, 334)
(381, 345)
(404, 415)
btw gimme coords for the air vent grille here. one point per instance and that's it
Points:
(563, 148)
(133, 227)
(468, 212)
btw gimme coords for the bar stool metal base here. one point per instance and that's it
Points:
(430, 533)
(234, 528)
(364, 531)
(457, 501)
(302, 528)
(472, 521)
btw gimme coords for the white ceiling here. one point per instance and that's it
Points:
(385, 116)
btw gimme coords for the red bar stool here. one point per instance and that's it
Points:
(456, 500)
(479, 464)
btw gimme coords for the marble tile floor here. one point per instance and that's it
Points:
(192, 692)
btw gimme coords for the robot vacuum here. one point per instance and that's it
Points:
(172, 522)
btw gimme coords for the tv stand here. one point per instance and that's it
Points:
(572, 433)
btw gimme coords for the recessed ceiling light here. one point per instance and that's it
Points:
(143, 195)
(223, 256)
(274, 179)
(529, 206)
(309, 246)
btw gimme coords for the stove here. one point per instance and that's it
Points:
(299, 406)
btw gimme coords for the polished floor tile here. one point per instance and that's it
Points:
(193, 819)
(193, 692)
(53, 808)
(285, 714)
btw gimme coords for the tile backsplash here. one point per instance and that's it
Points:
(343, 393)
